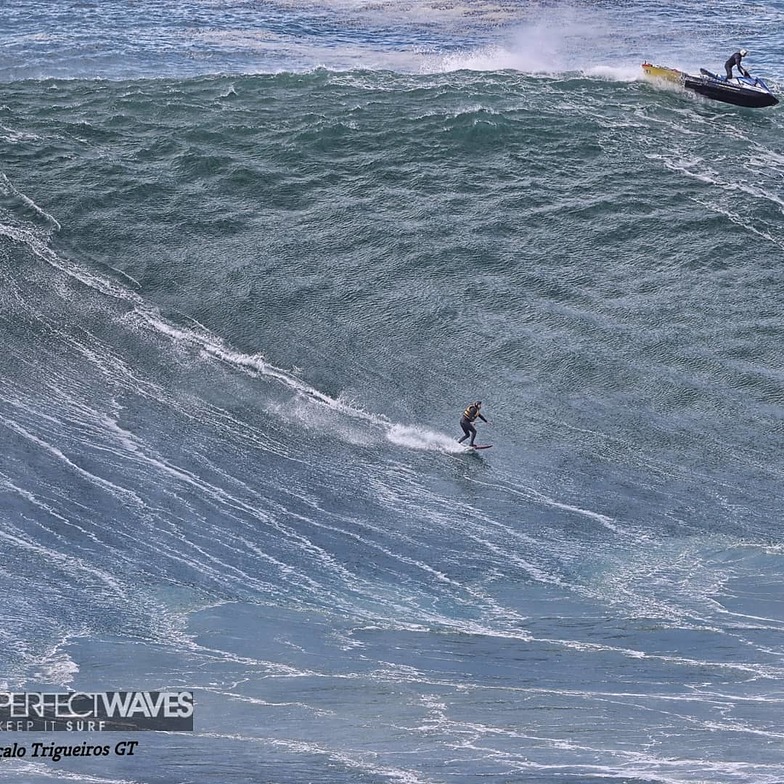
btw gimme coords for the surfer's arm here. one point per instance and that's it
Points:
(481, 417)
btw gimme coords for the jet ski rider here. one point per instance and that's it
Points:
(735, 61)
(470, 415)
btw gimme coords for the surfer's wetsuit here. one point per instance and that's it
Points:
(734, 61)
(470, 415)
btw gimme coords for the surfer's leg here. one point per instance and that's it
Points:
(473, 435)
(466, 430)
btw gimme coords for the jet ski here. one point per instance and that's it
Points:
(740, 90)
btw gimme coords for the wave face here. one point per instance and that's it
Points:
(253, 266)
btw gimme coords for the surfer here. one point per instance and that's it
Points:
(470, 415)
(735, 61)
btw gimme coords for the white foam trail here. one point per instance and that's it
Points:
(414, 437)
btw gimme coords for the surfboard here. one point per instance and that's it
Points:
(481, 446)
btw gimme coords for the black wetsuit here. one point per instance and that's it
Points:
(735, 60)
(466, 422)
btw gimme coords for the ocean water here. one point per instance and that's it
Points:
(256, 258)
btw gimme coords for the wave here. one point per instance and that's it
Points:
(245, 415)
